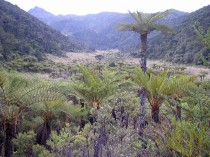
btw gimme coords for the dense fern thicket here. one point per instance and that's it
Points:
(23, 34)
(184, 46)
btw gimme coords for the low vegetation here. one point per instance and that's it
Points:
(95, 113)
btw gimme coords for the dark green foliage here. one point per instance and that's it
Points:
(23, 34)
(41, 151)
(112, 64)
(202, 34)
(24, 144)
(184, 46)
(205, 38)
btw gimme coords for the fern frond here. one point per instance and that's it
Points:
(93, 89)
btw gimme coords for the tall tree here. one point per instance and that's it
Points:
(143, 25)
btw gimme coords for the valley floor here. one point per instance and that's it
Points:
(115, 56)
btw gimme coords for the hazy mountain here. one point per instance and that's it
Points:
(23, 34)
(98, 30)
(42, 15)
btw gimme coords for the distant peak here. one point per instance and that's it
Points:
(37, 9)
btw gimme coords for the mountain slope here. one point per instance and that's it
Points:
(184, 46)
(98, 29)
(43, 15)
(23, 34)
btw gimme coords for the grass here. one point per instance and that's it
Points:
(114, 56)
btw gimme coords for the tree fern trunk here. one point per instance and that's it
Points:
(155, 114)
(68, 152)
(178, 112)
(8, 144)
(142, 117)
(96, 148)
(2, 137)
(143, 52)
(143, 64)
(43, 133)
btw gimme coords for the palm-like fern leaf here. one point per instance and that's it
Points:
(161, 84)
(93, 89)
(17, 92)
(146, 23)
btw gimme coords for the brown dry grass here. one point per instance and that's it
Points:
(82, 57)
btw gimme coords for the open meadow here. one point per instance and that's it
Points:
(117, 57)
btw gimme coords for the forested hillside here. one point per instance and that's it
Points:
(23, 34)
(184, 46)
(98, 30)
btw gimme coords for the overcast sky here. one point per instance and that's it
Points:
(82, 7)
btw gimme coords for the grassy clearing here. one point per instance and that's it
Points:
(115, 56)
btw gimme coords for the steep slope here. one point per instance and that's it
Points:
(23, 34)
(184, 46)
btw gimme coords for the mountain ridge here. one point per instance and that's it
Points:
(98, 30)
(23, 34)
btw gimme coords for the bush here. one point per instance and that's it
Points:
(24, 144)
(41, 151)
(112, 64)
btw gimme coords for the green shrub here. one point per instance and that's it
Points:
(41, 151)
(24, 144)
(112, 64)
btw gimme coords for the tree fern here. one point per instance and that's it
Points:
(188, 140)
(143, 25)
(18, 92)
(160, 85)
(93, 89)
